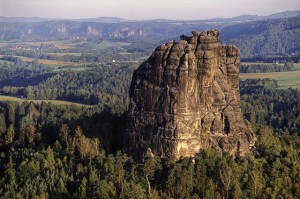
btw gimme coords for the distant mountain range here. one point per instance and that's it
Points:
(273, 35)
(37, 19)
(286, 14)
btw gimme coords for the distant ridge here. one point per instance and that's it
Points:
(38, 19)
(256, 36)
(24, 19)
(285, 14)
(104, 20)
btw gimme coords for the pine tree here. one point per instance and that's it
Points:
(82, 188)
(2, 122)
(226, 176)
(9, 137)
(49, 162)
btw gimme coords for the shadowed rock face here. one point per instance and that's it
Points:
(185, 98)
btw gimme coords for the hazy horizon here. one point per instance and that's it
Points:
(143, 9)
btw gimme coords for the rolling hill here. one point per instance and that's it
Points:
(256, 36)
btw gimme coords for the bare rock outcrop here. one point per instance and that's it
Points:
(186, 98)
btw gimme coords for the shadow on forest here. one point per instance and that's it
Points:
(24, 82)
(97, 122)
(107, 126)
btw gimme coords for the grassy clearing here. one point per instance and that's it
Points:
(144, 58)
(296, 66)
(3, 44)
(59, 69)
(131, 62)
(258, 63)
(55, 102)
(98, 45)
(284, 79)
(124, 44)
(67, 44)
(63, 54)
(51, 62)
(62, 45)
(3, 62)
(106, 44)
(124, 53)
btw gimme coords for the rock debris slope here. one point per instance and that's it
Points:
(186, 98)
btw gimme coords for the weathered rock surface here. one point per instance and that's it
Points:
(185, 98)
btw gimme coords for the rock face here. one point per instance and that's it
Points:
(186, 98)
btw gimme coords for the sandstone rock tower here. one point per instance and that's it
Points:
(185, 98)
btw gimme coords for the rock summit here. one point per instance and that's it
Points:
(185, 98)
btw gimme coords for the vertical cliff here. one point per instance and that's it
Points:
(185, 98)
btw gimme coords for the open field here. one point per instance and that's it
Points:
(285, 79)
(55, 102)
(296, 65)
(69, 44)
(62, 45)
(58, 44)
(100, 45)
(124, 53)
(72, 68)
(3, 44)
(50, 62)
(131, 62)
(259, 63)
(3, 62)
(124, 44)
(63, 54)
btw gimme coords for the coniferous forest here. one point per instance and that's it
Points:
(55, 151)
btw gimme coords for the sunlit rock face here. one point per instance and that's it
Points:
(185, 98)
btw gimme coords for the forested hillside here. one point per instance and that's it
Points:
(97, 85)
(263, 104)
(278, 37)
(52, 151)
(257, 37)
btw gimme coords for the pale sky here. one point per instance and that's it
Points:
(143, 9)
